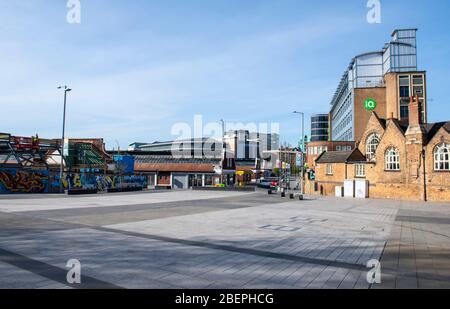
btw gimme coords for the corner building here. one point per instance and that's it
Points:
(382, 82)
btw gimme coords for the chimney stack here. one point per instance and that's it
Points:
(415, 115)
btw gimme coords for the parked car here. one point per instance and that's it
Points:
(264, 184)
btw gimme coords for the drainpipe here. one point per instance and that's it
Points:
(425, 198)
(346, 172)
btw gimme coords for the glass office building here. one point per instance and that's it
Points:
(367, 71)
(319, 128)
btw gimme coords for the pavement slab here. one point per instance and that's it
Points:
(189, 239)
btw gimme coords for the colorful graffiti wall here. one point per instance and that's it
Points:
(14, 180)
(102, 182)
(17, 181)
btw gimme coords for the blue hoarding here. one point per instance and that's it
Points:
(124, 164)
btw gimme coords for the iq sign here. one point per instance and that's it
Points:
(370, 104)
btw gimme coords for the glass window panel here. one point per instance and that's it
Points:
(441, 157)
(418, 90)
(404, 80)
(418, 80)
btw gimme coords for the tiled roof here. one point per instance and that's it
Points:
(173, 160)
(168, 163)
(432, 128)
(341, 157)
(174, 167)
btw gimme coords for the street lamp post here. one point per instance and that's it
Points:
(61, 170)
(303, 147)
(224, 150)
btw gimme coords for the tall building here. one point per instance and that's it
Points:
(319, 128)
(380, 81)
(243, 144)
(195, 147)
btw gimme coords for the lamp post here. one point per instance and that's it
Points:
(224, 150)
(66, 90)
(303, 146)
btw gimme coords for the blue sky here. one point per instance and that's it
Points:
(138, 67)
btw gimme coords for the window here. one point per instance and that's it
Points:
(404, 91)
(404, 86)
(371, 146)
(338, 148)
(404, 80)
(392, 159)
(329, 169)
(208, 180)
(418, 80)
(418, 90)
(360, 170)
(442, 157)
(422, 110)
(404, 111)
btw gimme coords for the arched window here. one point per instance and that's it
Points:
(392, 159)
(371, 146)
(442, 157)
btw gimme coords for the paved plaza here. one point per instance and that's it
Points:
(206, 239)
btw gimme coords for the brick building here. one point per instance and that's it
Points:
(315, 149)
(391, 100)
(399, 160)
(380, 81)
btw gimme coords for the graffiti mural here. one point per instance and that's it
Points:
(102, 182)
(15, 180)
(23, 181)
